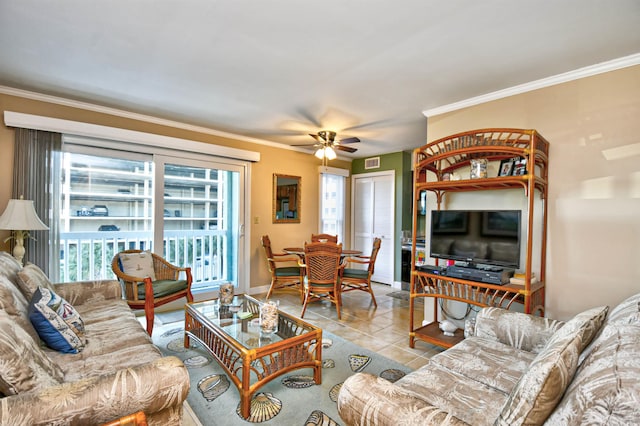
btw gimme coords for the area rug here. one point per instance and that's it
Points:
(291, 399)
(164, 318)
(403, 295)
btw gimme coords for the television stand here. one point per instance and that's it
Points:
(433, 166)
(476, 293)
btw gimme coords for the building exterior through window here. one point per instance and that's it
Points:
(187, 211)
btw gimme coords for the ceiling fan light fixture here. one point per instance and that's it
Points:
(325, 153)
(327, 135)
(330, 153)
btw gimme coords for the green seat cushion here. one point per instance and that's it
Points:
(163, 288)
(287, 271)
(316, 285)
(355, 273)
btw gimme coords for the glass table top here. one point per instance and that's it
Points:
(240, 320)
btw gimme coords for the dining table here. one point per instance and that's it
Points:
(300, 251)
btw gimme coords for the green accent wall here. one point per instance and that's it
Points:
(401, 163)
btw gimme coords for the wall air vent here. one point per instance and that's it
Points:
(372, 163)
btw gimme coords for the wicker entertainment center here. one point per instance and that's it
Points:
(434, 166)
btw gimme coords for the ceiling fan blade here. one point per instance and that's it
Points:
(309, 144)
(317, 137)
(349, 140)
(345, 148)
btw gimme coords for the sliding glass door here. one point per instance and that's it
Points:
(199, 218)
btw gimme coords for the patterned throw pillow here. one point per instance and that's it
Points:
(526, 332)
(23, 364)
(12, 302)
(539, 390)
(30, 278)
(627, 311)
(138, 264)
(57, 322)
(9, 266)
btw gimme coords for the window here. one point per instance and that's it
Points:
(106, 206)
(187, 210)
(332, 201)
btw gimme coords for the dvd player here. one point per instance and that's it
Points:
(489, 275)
(433, 269)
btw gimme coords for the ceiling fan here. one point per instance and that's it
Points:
(326, 144)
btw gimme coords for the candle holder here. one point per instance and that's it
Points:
(226, 294)
(269, 317)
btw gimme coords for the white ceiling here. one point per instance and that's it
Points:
(279, 69)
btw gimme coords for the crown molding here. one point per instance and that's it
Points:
(616, 64)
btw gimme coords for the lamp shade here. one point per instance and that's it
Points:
(326, 152)
(20, 215)
(329, 153)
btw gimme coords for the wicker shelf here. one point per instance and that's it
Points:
(431, 333)
(432, 162)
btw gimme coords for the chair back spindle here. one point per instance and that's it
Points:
(322, 262)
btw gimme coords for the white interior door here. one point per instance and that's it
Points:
(373, 216)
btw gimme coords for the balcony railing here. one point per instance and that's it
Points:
(88, 255)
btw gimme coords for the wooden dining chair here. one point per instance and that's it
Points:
(150, 281)
(359, 278)
(284, 268)
(322, 263)
(322, 237)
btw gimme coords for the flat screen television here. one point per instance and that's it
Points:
(488, 237)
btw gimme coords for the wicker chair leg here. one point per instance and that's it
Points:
(301, 284)
(307, 294)
(373, 297)
(189, 281)
(271, 288)
(150, 318)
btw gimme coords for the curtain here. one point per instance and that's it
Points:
(36, 170)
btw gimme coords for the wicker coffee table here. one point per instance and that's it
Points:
(252, 358)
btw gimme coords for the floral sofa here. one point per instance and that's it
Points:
(105, 368)
(516, 369)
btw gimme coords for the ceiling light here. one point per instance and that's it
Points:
(320, 153)
(329, 153)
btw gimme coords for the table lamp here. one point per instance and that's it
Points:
(20, 217)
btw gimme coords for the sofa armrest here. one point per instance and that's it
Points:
(516, 329)
(151, 388)
(365, 399)
(80, 292)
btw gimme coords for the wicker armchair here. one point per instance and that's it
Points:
(322, 262)
(284, 269)
(360, 278)
(324, 237)
(142, 292)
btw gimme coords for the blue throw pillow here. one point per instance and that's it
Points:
(57, 322)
